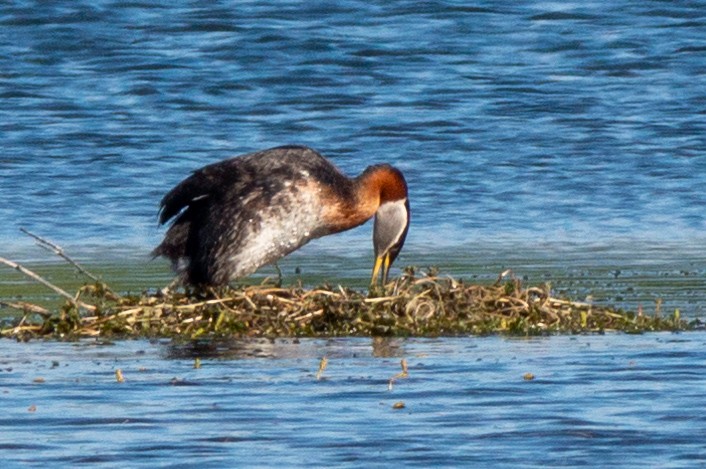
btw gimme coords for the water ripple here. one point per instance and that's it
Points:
(539, 103)
(614, 400)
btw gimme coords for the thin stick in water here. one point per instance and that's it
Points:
(46, 283)
(59, 251)
(27, 307)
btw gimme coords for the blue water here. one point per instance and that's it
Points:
(516, 124)
(595, 401)
(564, 140)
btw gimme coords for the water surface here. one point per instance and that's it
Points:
(595, 401)
(514, 123)
(564, 140)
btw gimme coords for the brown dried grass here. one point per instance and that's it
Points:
(413, 305)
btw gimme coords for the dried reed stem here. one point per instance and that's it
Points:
(59, 251)
(46, 283)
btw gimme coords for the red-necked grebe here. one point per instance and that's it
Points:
(231, 217)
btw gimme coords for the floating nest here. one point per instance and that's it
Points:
(416, 304)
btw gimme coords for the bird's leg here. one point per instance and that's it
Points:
(298, 272)
(279, 275)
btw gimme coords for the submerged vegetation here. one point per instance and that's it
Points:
(415, 304)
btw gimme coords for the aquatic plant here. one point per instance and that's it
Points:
(415, 304)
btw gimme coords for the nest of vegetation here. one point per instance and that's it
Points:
(415, 304)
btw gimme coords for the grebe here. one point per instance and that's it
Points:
(234, 216)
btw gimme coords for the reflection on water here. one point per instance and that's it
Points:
(596, 401)
(231, 349)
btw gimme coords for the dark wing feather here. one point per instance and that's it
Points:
(206, 182)
(274, 165)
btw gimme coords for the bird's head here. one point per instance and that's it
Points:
(391, 222)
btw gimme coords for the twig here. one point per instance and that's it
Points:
(193, 306)
(502, 275)
(27, 307)
(380, 299)
(59, 251)
(322, 367)
(46, 283)
(308, 315)
(402, 374)
(17, 329)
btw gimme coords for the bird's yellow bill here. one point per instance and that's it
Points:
(384, 263)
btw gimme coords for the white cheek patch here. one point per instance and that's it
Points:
(390, 223)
